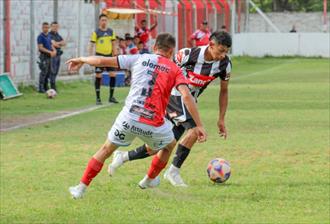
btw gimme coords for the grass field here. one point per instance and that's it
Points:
(278, 147)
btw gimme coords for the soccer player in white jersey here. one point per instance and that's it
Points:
(143, 116)
(201, 65)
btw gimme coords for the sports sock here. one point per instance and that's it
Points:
(112, 84)
(181, 154)
(92, 169)
(156, 166)
(97, 87)
(139, 153)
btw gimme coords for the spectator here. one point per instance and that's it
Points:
(201, 36)
(293, 30)
(131, 48)
(103, 40)
(122, 46)
(47, 51)
(143, 32)
(137, 40)
(142, 50)
(223, 28)
(57, 42)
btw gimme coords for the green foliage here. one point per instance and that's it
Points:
(278, 147)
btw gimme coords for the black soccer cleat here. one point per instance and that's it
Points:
(113, 100)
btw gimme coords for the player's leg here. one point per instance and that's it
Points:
(93, 167)
(183, 149)
(158, 163)
(141, 152)
(112, 85)
(98, 79)
(55, 66)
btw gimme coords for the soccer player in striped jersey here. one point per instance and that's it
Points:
(201, 65)
(143, 115)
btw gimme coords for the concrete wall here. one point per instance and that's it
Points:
(305, 22)
(282, 44)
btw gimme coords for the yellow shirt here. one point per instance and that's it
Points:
(103, 41)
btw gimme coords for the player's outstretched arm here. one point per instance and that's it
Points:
(192, 108)
(75, 64)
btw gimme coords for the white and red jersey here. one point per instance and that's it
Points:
(153, 77)
(201, 37)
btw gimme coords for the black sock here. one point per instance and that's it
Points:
(112, 84)
(139, 153)
(97, 87)
(181, 154)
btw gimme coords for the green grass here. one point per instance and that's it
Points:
(278, 146)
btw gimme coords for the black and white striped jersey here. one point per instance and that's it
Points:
(199, 72)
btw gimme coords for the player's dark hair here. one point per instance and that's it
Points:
(45, 23)
(221, 37)
(54, 22)
(103, 15)
(165, 41)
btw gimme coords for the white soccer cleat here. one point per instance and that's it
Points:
(146, 182)
(78, 191)
(173, 176)
(117, 162)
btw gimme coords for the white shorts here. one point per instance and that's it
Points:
(125, 129)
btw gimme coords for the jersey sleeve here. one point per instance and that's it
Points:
(226, 73)
(93, 37)
(182, 57)
(113, 37)
(180, 79)
(39, 40)
(193, 36)
(126, 61)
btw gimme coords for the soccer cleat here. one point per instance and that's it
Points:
(173, 176)
(117, 162)
(113, 100)
(78, 191)
(146, 182)
(98, 101)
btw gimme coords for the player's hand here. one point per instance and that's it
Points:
(74, 64)
(222, 129)
(201, 134)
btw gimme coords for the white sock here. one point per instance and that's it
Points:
(173, 169)
(125, 156)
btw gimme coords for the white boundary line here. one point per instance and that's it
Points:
(69, 114)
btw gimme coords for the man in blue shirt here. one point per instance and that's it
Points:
(47, 51)
(57, 42)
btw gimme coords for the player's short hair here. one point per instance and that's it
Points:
(54, 22)
(45, 23)
(165, 41)
(221, 37)
(103, 15)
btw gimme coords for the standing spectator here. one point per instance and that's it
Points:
(143, 32)
(201, 36)
(223, 28)
(47, 51)
(57, 42)
(103, 40)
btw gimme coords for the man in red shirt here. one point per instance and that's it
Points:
(201, 36)
(143, 116)
(143, 32)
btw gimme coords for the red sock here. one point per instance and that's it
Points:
(156, 167)
(92, 169)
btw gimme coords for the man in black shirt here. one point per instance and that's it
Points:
(57, 42)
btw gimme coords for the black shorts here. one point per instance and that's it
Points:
(104, 69)
(180, 128)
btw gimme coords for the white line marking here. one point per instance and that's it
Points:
(54, 118)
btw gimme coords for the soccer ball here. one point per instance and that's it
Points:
(218, 170)
(51, 93)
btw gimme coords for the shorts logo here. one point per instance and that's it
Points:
(125, 125)
(140, 131)
(120, 135)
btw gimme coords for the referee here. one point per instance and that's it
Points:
(103, 41)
